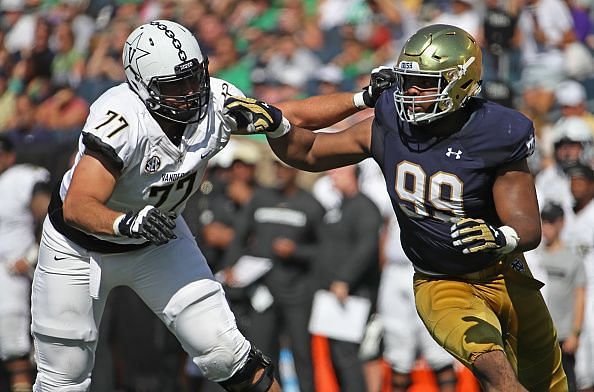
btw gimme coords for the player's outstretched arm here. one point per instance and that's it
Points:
(297, 146)
(319, 112)
(311, 151)
(288, 126)
(323, 111)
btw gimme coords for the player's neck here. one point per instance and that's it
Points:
(554, 245)
(173, 130)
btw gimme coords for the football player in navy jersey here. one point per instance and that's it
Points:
(455, 169)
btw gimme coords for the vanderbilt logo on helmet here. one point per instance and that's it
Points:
(153, 164)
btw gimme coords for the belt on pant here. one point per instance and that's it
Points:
(512, 266)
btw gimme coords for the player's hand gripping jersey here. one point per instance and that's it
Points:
(433, 182)
(151, 169)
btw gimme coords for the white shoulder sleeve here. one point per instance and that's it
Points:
(220, 90)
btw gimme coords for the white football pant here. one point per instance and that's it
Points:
(70, 288)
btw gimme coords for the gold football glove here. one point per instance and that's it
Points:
(256, 116)
(475, 235)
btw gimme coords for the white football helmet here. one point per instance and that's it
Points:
(166, 68)
(573, 130)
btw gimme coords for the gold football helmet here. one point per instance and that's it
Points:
(445, 57)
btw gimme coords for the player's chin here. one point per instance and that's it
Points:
(416, 111)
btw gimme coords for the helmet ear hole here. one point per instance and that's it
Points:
(466, 84)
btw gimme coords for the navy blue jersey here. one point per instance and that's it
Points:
(432, 182)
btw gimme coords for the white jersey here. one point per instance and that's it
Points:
(578, 234)
(552, 186)
(153, 170)
(16, 221)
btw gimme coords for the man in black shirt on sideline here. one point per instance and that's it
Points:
(348, 264)
(281, 224)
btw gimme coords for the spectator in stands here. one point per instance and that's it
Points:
(192, 14)
(210, 28)
(7, 101)
(106, 55)
(289, 57)
(24, 195)
(461, 13)
(571, 98)
(40, 55)
(68, 66)
(21, 126)
(573, 101)
(329, 79)
(582, 20)
(572, 141)
(15, 85)
(82, 24)
(546, 28)
(64, 112)
(354, 59)
(19, 24)
(227, 63)
(102, 69)
(295, 19)
(500, 38)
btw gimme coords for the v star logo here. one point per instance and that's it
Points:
(451, 152)
(134, 52)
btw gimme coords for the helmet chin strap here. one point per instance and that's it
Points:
(192, 120)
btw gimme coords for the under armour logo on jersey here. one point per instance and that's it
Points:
(451, 152)
(153, 164)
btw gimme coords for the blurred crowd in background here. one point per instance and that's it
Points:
(58, 56)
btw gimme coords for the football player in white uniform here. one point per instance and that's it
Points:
(114, 220)
(24, 197)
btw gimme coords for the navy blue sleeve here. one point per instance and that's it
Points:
(524, 143)
(501, 136)
(385, 113)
